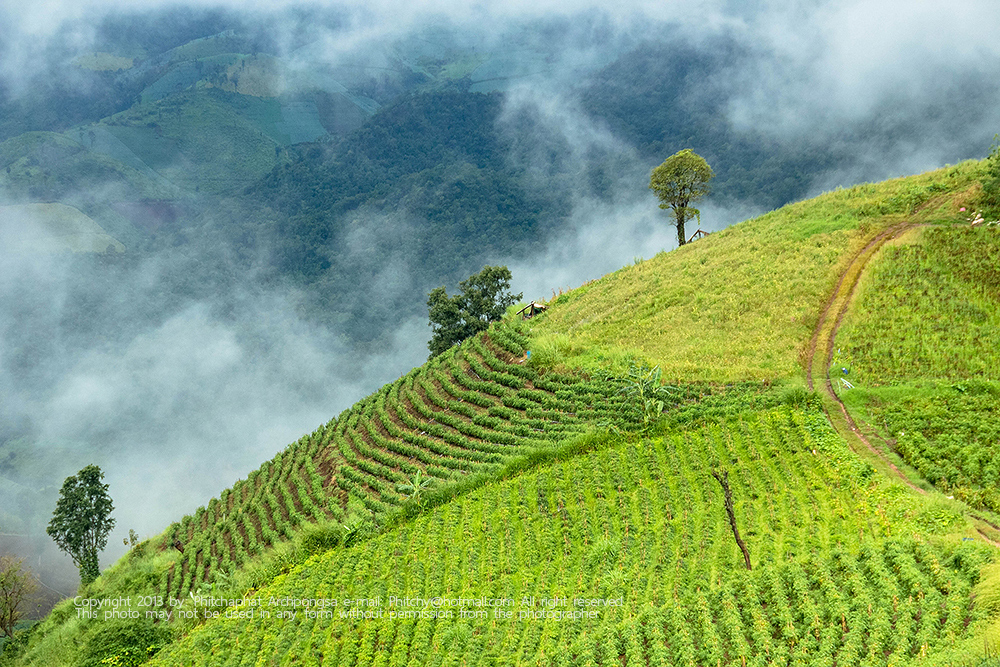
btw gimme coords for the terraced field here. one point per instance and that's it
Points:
(640, 524)
(472, 410)
(613, 545)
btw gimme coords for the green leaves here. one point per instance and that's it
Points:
(681, 180)
(484, 298)
(17, 583)
(82, 520)
(990, 197)
(643, 383)
(415, 487)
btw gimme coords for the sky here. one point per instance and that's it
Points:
(185, 404)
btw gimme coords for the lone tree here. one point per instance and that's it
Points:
(16, 584)
(82, 520)
(681, 180)
(484, 298)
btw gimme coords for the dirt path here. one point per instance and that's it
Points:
(822, 341)
(826, 331)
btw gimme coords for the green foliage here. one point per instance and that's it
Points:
(927, 310)
(124, 643)
(484, 297)
(920, 345)
(679, 182)
(415, 487)
(82, 520)
(949, 433)
(643, 385)
(16, 584)
(848, 582)
(12, 648)
(990, 198)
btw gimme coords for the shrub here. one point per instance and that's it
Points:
(124, 643)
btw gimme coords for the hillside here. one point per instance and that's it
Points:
(494, 481)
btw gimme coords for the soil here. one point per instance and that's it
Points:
(825, 341)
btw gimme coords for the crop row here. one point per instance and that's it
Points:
(253, 515)
(641, 524)
(950, 434)
(873, 608)
(469, 411)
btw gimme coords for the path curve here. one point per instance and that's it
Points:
(823, 338)
(826, 331)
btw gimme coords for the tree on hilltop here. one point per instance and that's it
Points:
(681, 180)
(484, 298)
(82, 520)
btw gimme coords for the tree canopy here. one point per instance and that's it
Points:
(82, 520)
(681, 180)
(483, 298)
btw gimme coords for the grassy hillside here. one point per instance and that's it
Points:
(743, 302)
(52, 228)
(482, 476)
(920, 349)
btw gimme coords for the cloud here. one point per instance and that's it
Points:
(189, 391)
(174, 396)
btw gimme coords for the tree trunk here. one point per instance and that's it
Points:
(724, 481)
(679, 213)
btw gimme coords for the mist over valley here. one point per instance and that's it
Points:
(219, 223)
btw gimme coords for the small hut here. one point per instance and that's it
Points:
(697, 235)
(531, 310)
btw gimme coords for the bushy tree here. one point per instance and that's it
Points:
(681, 180)
(483, 298)
(16, 584)
(82, 520)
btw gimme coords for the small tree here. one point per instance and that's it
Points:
(82, 520)
(484, 298)
(16, 584)
(644, 384)
(681, 180)
(415, 487)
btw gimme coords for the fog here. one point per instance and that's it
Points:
(174, 408)
(176, 396)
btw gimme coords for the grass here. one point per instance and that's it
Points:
(618, 523)
(526, 499)
(742, 303)
(929, 309)
(919, 346)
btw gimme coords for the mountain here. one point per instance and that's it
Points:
(829, 397)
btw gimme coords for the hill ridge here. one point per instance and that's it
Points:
(566, 490)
